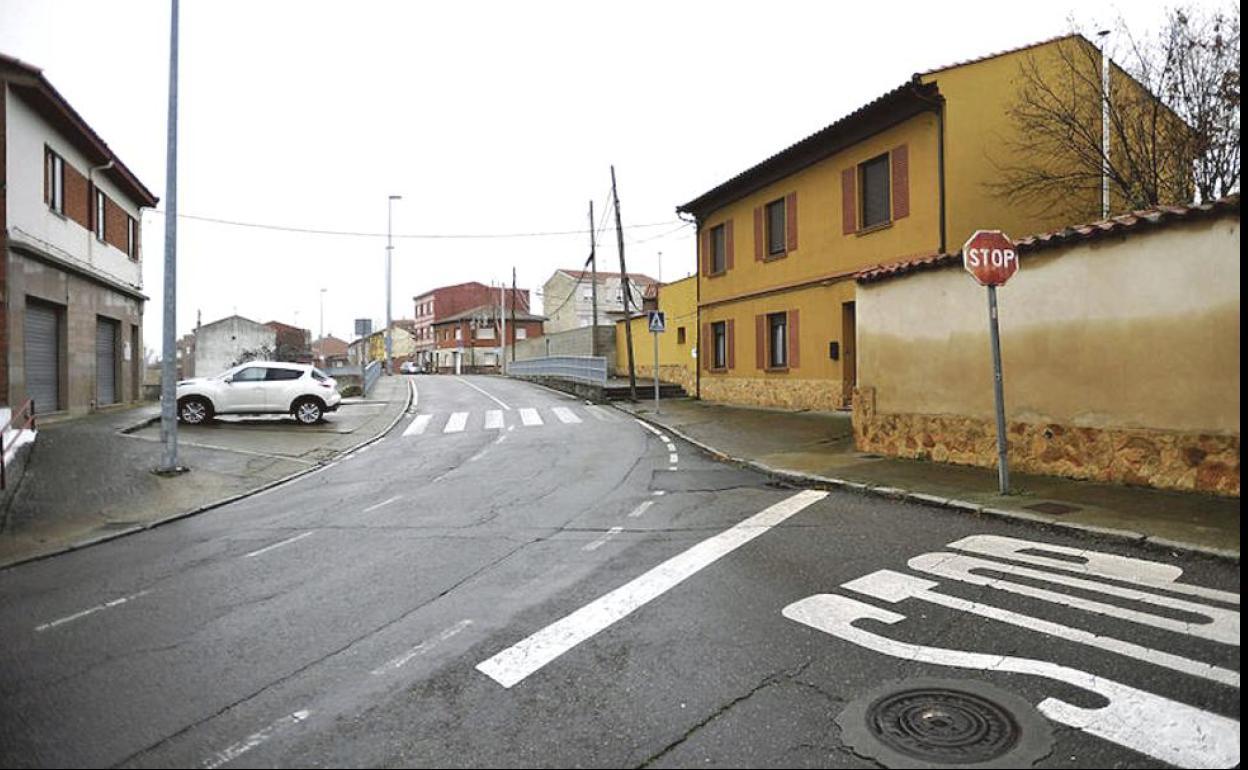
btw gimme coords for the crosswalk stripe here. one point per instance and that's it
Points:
(458, 421)
(494, 419)
(530, 417)
(565, 414)
(599, 413)
(418, 425)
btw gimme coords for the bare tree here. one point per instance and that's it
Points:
(1173, 117)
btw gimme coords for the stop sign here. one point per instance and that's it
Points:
(989, 255)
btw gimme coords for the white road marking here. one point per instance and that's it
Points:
(494, 419)
(1153, 574)
(599, 413)
(663, 437)
(894, 587)
(649, 427)
(640, 509)
(1150, 724)
(659, 492)
(421, 649)
(91, 611)
(236, 750)
(418, 425)
(530, 417)
(379, 505)
(600, 542)
(673, 458)
(1223, 625)
(565, 415)
(279, 544)
(483, 390)
(458, 421)
(670, 446)
(415, 397)
(513, 664)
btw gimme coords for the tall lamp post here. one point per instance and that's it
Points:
(389, 249)
(168, 378)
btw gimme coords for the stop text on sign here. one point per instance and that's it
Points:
(990, 256)
(993, 257)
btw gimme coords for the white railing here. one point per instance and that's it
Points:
(587, 369)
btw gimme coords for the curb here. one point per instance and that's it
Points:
(936, 501)
(81, 544)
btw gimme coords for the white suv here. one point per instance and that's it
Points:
(259, 387)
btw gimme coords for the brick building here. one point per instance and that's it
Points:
(470, 341)
(71, 276)
(445, 301)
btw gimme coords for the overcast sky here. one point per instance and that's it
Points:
(488, 118)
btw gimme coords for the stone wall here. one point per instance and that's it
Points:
(575, 342)
(784, 392)
(683, 376)
(1184, 461)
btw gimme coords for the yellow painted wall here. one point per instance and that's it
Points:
(678, 301)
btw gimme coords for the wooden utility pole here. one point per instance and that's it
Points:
(593, 284)
(513, 314)
(627, 291)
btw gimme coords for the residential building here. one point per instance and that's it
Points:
(473, 341)
(71, 270)
(445, 301)
(1084, 325)
(292, 343)
(402, 344)
(568, 297)
(329, 351)
(228, 342)
(678, 301)
(909, 174)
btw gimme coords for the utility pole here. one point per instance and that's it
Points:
(593, 283)
(322, 313)
(168, 372)
(628, 323)
(502, 315)
(389, 249)
(513, 314)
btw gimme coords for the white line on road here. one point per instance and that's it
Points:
(482, 390)
(418, 425)
(600, 542)
(649, 427)
(513, 664)
(415, 397)
(530, 417)
(659, 492)
(601, 414)
(565, 415)
(673, 458)
(378, 505)
(234, 751)
(91, 611)
(458, 421)
(287, 541)
(422, 648)
(494, 419)
(639, 510)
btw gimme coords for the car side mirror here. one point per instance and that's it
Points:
(229, 380)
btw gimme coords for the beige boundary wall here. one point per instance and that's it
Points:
(1121, 361)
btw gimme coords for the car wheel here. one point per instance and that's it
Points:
(194, 410)
(308, 411)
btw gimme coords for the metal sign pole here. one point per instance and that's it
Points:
(1003, 469)
(656, 371)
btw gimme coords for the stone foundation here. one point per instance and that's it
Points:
(1189, 462)
(778, 391)
(681, 375)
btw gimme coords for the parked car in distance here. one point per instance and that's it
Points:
(259, 387)
(410, 367)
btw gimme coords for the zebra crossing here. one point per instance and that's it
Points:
(498, 419)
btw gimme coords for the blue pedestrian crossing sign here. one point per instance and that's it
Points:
(658, 323)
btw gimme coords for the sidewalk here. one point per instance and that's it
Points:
(818, 447)
(91, 479)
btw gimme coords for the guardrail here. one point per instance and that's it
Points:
(591, 370)
(371, 373)
(22, 419)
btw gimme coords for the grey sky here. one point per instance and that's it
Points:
(486, 117)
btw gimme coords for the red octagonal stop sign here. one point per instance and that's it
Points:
(989, 255)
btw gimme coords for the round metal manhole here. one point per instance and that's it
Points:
(923, 723)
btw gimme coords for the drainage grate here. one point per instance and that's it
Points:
(926, 723)
(1053, 509)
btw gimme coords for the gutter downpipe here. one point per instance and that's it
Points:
(697, 304)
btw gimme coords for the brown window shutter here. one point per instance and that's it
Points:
(758, 233)
(706, 347)
(901, 181)
(760, 341)
(728, 244)
(795, 360)
(849, 209)
(730, 333)
(706, 251)
(790, 214)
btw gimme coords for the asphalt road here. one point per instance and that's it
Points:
(481, 590)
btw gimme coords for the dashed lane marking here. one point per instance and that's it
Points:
(640, 509)
(381, 504)
(236, 750)
(600, 542)
(486, 392)
(278, 544)
(422, 648)
(91, 611)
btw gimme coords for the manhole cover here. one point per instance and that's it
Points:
(1053, 509)
(924, 723)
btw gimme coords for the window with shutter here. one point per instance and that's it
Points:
(719, 250)
(775, 228)
(719, 331)
(875, 192)
(777, 341)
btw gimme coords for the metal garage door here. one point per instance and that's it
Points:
(42, 359)
(105, 361)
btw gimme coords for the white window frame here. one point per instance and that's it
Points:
(485, 333)
(522, 333)
(54, 168)
(100, 208)
(131, 226)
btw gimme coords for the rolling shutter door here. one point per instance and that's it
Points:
(105, 361)
(41, 359)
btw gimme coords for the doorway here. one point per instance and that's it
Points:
(849, 345)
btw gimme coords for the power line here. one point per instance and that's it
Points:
(426, 236)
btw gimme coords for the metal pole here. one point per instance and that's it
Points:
(1003, 468)
(656, 371)
(168, 373)
(502, 316)
(627, 290)
(322, 314)
(593, 283)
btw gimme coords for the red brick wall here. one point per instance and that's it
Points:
(115, 224)
(77, 196)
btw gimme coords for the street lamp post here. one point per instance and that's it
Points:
(389, 249)
(168, 379)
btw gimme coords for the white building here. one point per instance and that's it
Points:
(567, 298)
(71, 276)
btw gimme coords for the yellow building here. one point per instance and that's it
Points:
(677, 346)
(910, 174)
